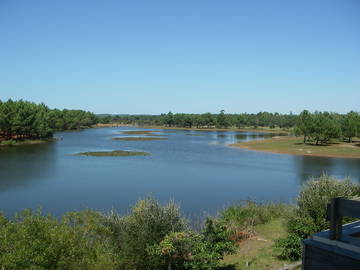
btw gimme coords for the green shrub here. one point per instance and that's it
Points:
(191, 250)
(34, 241)
(8, 143)
(216, 233)
(309, 216)
(147, 224)
(151, 236)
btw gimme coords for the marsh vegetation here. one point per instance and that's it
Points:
(139, 138)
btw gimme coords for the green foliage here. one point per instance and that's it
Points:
(169, 119)
(8, 143)
(222, 120)
(147, 224)
(34, 241)
(151, 236)
(321, 127)
(350, 125)
(304, 124)
(206, 120)
(309, 216)
(191, 250)
(324, 128)
(21, 120)
(216, 233)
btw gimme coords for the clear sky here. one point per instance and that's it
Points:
(153, 56)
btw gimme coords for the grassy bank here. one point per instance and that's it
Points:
(295, 146)
(7, 143)
(257, 252)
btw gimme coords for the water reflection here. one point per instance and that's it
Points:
(307, 167)
(26, 165)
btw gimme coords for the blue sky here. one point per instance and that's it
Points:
(182, 56)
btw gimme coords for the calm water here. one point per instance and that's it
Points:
(199, 172)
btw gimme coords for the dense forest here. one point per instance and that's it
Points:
(21, 120)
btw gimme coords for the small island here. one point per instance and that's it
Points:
(116, 153)
(138, 132)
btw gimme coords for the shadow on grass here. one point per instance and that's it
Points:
(314, 144)
(227, 267)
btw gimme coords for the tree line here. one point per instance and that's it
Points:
(207, 120)
(27, 120)
(321, 127)
(21, 120)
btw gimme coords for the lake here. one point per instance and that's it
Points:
(199, 172)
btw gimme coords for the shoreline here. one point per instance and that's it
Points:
(267, 146)
(265, 130)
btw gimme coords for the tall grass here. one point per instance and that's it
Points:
(241, 218)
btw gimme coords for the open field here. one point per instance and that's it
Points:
(295, 146)
(115, 153)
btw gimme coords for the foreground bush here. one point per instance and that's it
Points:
(147, 224)
(191, 250)
(34, 241)
(309, 216)
(151, 236)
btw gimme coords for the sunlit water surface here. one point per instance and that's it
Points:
(201, 173)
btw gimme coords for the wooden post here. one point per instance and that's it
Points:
(335, 219)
